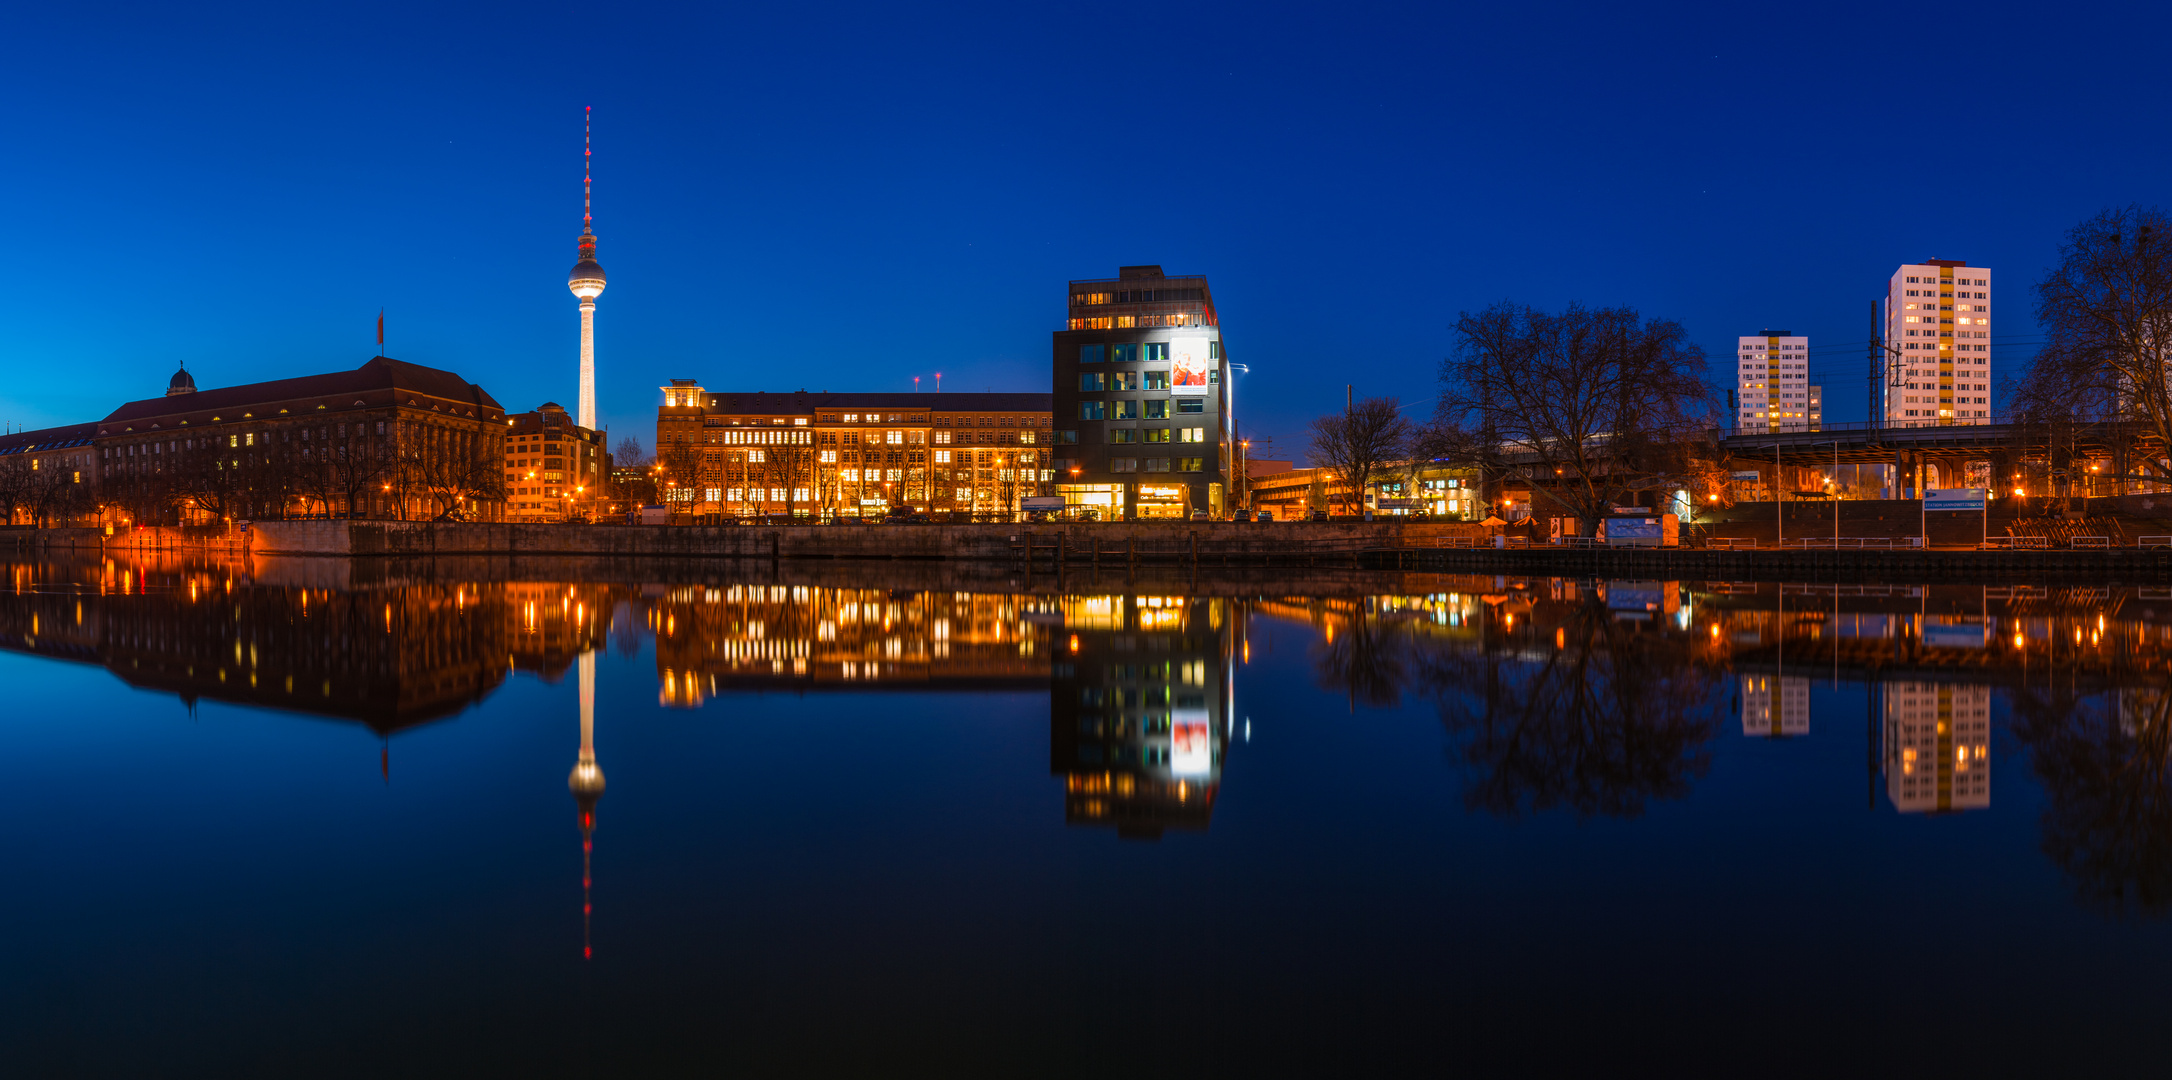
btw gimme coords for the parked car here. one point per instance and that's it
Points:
(1319, 515)
(1200, 515)
(1266, 515)
(908, 519)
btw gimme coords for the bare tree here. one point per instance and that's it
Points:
(1360, 443)
(208, 478)
(629, 455)
(17, 479)
(1606, 402)
(681, 464)
(1615, 717)
(2106, 312)
(461, 474)
(56, 493)
(2105, 762)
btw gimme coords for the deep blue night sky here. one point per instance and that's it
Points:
(838, 197)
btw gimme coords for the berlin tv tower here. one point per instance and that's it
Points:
(586, 783)
(586, 281)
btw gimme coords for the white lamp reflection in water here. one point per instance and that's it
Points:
(586, 782)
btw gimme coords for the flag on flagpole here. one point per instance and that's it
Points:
(380, 331)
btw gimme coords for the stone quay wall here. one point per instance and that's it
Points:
(1218, 541)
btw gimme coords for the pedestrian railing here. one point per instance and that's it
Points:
(1855, 542)
(2153, 541)
(2090, 541)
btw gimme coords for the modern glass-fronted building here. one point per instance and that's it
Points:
(1142, 412)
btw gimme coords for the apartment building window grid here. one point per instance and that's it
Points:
(1938, 329)
(1773, 384)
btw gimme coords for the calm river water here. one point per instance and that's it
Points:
(314, 819)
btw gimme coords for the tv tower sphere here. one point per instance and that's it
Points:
(586, 282)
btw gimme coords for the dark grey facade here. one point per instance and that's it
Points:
(1142, 397)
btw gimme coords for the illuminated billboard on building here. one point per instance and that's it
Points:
(1188, 366)
(1191, 752)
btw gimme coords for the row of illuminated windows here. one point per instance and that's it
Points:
(1091, 381)
(1153, 464)
(921, 418)
(1136, 352)
(1947, 284)
(1132, 409)
(1128, 322)
(766, 438)
(756, 494)
(946, 457)
(1157, 435)
(915, 438)
(1140, 296)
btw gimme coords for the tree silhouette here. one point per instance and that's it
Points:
(1365, 661)
(1616, 715)
(2107, 773)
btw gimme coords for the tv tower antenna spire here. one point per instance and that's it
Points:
(586, 280)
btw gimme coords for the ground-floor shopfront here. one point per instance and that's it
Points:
(1143, 500)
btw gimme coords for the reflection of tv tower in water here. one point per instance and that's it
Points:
(586, 282)
(587, 785)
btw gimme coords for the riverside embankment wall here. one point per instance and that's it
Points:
(1270, 550)
(181, 539)
(1125, 541)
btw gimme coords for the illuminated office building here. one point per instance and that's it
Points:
(389, 659)
(713, 639)
(823, 454)
(1139, 710)
(554, 468)
(1937, 746)
(1142, 397)
(1938, 326)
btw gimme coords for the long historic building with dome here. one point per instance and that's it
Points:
(389, 439)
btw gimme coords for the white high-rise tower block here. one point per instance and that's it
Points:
(1774, 375)
(586, 282)
(1938, 327)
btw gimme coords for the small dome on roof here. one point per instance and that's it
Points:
(181, 383)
